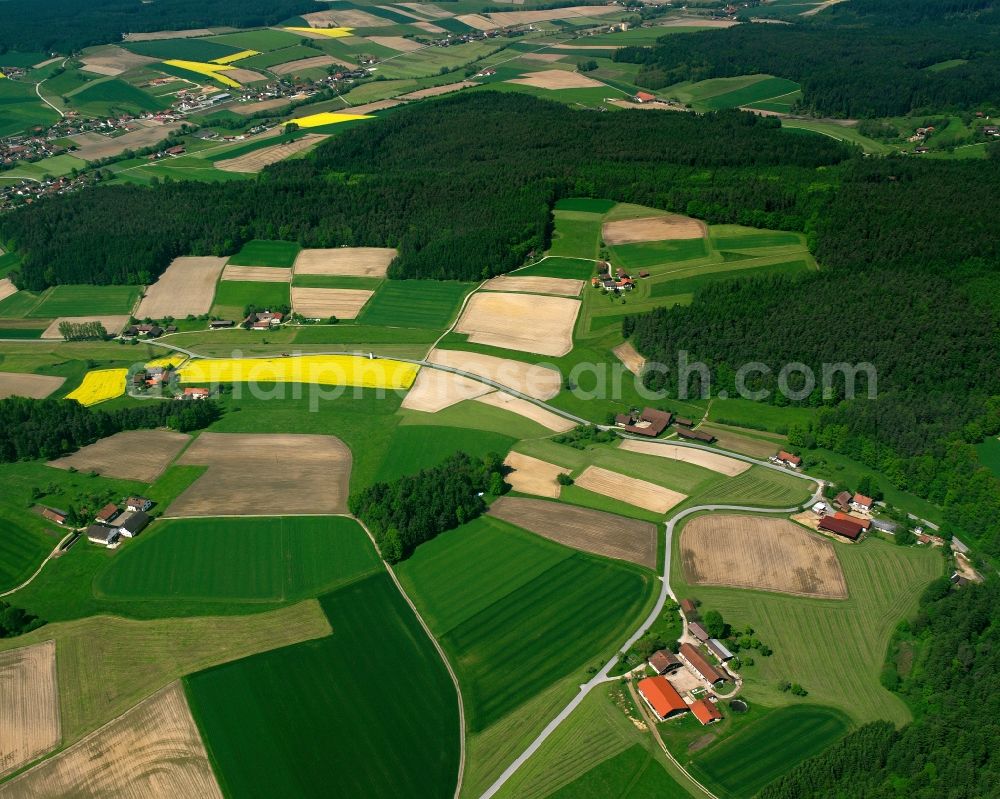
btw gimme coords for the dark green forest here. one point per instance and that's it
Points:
(31, 428)
(855, 60)
(950, 676)
(68, 25)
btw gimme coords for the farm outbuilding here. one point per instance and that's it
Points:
(664, 662)
(698, 662)
(107, 513)
(719, 650)
(662, 698)
(689, 608)
(134, 524)
(106, 536)
(860, 502)
(706, 712)
(649, 423)
(695, 435)
(848, 528)
(698, 631)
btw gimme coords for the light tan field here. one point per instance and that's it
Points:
(348, 18)
(477, 21)
(345, 261)
(188, 33)
(263, 105)
(22, 384)
(548, 58)
(323, 303)
(647, 106)
(501, 19)
(708, 460)
(7, 288)
(258, 159)
(113, 60)
(553, 421)
(582, 528)
(633, 361)
(399, 43)
(434, 91)
(653, 228)
(556, 79)
(187, 287)
(265, 474)
(539, 382)
(427, 9)
(434, 390)
(636, 492)
(370, 108)
(94, 146)
(130, 455)
(257, 274)
(429, 27)
(113, 324)
(594, 47)
(764, 553)
(152, 751)
(564, 287)
(525, 322)
(291, 67)
(533, 476)
(29, 704)
(745, 445)
(244, 76)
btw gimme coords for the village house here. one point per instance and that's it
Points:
(683, 421)
(843, 500)
(105, 536)
(697, 661)
(195, 393)
(649, 423)
(786, 459)
(136, 504)
(664, 662)
(644, 97)
(662, 698)
(149, 331)
(706, 712)
(108, 513)
(861, 503)
(134, 524)
(263, 320)
(848, 528)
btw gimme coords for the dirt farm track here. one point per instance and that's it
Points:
(765, 553)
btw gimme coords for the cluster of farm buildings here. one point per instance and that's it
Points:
(651, 422)
(112, 522)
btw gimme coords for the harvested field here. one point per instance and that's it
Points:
(708, 460)
(399, 43)
(94, 146)
(291, 67)
(582, 528)
(548, 58)
(502, 19)
(29, 704)
(434, 91)
(533, 476)
(22, 384)
(524, 322)
(345, 18)
(427, 9)
(434, 390)
(113, 60)
(636, 492)
(744, 444)
(562, 286)
(535, 381)
(324, 303)
(113, 324)
(429, 27)
(256, 160)
(257, 274)
(187, 287)
(264, 105)
(152, 751)
(653, 228)
(7, 289)
(130, 455)
(763, 553)
(633, 361)
(345, 261)
(378, 105)
(244, 76)
(309, 474)
(188, 33)
(556, 79)
(553, 421)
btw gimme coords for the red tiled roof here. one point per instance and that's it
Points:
(845, 527)
(789, 457)
(861, 499)
(645, 96)
(107, 512)
(662, 696)
(864, 523)
(706, 712)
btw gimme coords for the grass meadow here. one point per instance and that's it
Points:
(86, 301)
(416, 447)
(368, 711)
(260, 252)
(263, 40)
(20, 108)
(197, 49)
(232, 296)
(577, 234)
(415, 303)
(632, 774)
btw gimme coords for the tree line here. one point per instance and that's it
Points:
(404, 513)
(47, 428)
(16, 621)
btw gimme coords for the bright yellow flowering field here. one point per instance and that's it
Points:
(327, 370)
(229, 59)
(333, 33)
(100, 385)
(215, 71)
(167, 360)
(326, 118)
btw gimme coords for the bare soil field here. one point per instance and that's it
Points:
(535, 381)
(291, 67)
(7, 288)
(29, 704)
(427, 9)
(257, 274)
(636, 492)
(548, 58)
(430, 27)
(345, 18)
(256, 160)
(502, 19)
(265, 474)
(345, 261)
(533, 476)
(434, 91)
(434, 390)
(582, 528)
(22, 384)
(370, 108)
(244, 76)
(152, 751)
(189, 33)
(113, 60)
(653, 228)
(627, 355)
(263, 105)
(113, 324)
(745, 445)
(399, 43)
(525, 322)
(187, 287)
(556, 79)
(767, 554)
(553, 421)
(323, 303)
(708, 460)
(130, 455)
(809, 519)
(564, 287)
(94, 146)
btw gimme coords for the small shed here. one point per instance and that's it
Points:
(664, 661)
(698, 631)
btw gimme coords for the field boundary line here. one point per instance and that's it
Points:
(41, 565)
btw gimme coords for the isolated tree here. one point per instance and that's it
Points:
(714, 624)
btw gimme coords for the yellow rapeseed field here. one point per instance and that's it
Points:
(229, 59)
(167, 360)
(333, 33)
(210, 70)
(99, 385)
(326, 370)
(326, 118)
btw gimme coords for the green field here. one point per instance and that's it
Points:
(415, 303)
(265, 253)
(481, 586)
(632, 774)
(558, 266)
(264, 40)
(839, 132)
(232, 296)
(269, 59)
(647, 254)
(109, 96)
(415, 447)
(585, 204)
(274, 559)
(86, 301)
(184, 49)
(989, 454)
(368, 711)
(431, 60)
(733, 237)
(740, 765)
(577, 234)
(20, 108)
(750, 267)
(754, 94)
